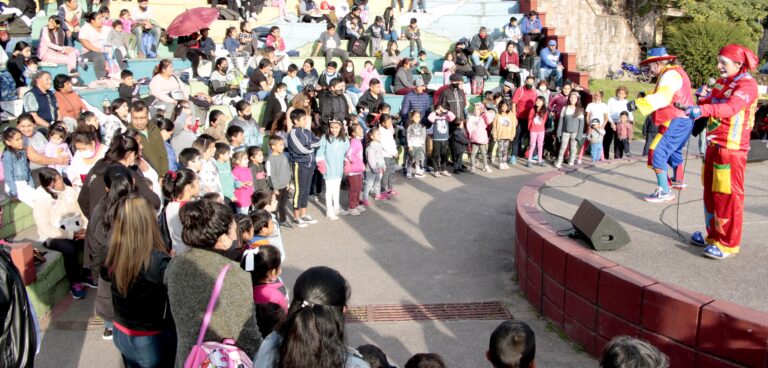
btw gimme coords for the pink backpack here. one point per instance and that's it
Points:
(211, 354)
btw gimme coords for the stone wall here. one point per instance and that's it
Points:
(599, 41)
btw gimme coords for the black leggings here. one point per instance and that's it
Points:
(302, 180)
(440, 155)
(195, 55)
(70, 250)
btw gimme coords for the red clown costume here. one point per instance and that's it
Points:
(673, 88)
(731, 110)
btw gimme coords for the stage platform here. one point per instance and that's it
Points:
(700, 312)
(657, 249)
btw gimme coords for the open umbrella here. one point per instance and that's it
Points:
(192, 20)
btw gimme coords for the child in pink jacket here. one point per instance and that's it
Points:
(244, 181)
(354, 167)
(477, 129)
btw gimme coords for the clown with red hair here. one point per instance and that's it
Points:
(731, 111)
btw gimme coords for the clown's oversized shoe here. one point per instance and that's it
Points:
(697, 239)
(712, 251)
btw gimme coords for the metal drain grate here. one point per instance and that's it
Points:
(358, 314)
(428, 312)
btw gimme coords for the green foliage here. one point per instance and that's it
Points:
(746, 12)
(697, 43)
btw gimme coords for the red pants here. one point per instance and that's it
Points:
(723, 180)
(355, 187)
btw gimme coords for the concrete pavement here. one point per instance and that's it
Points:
(446, 240)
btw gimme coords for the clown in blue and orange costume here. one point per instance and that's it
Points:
(672, 89)
(731, 111)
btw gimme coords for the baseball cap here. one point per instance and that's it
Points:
(418, 83)
(455, 77)
(552, 43)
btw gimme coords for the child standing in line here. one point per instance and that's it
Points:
(245, 234)
(503, 132)
(440, 118)
(268, 290)
(224, 167)
(235, 136)
(267, 200)
(413, 34)
(301, 149)
(477, 129)
(278, 171)
(258, 172)
(330, 162)
(18, 176)
(624, 131)
(244, 187)
(416, 136)
(389, 145)
(596, 134)
(459, 143)
(375, 167)
(354, 167)
(537, 119)
(56, 147)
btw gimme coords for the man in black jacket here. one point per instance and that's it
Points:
(374, 96)
(454, 97)
(333, 104)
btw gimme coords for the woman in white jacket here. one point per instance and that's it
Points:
(61, 225)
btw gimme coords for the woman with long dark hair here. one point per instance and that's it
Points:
(210, 230)
(312, 334)
(61, 225)
(144, 331)
(119, 182)
(124, 150)
(17, 63)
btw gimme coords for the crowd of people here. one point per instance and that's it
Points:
(165, 193)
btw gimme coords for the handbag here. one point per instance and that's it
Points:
(212, 354)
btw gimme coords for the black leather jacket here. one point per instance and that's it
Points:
(18, 341)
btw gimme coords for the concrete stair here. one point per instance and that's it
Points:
(456, 19)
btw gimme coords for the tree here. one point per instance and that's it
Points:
(697, 43)
(749, 12)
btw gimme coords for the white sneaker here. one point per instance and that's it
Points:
(488, 170)
(354, 212)
(333, 217)
(359, 208)
(308, 219)
(341, 212)
(299, 222)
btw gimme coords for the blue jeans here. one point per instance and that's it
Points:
(595, 149)
(544, 73)
(146, 351)
(392, 36)
(476, 60)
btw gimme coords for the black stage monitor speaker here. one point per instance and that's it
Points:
(603, 232)
(758, 151)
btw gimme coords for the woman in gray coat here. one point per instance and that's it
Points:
(210, 230)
